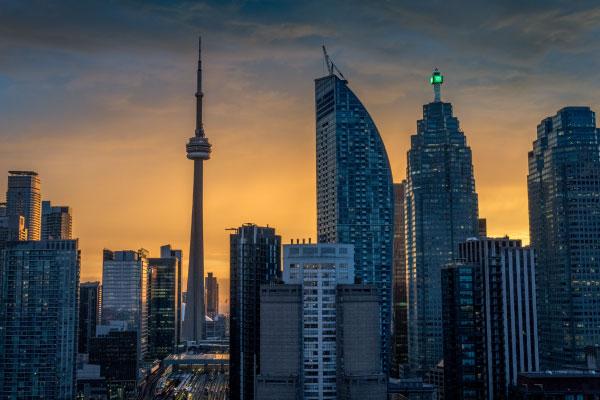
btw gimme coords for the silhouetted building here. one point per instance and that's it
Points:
(399, 307)
(12, 228)
(38, 319)
(115, 349)
(564, 216)
(355, 194)
(216, 328)
(56, 221)
(489, 317)
(164, 312)
(23, 197)
(90, 313)
(255, 259)
(482, 227)
(212, 295)
(125, 292)
(441, 211)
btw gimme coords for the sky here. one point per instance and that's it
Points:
(98, 98)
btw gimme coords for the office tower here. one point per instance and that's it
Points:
(489, 317)
(198, 149)
(212, 295)
(114, 349)
(125, 292)
(482, 227)
(167, 252)
(164, 312)
(216, 327)
(358, 361)
(399, 308)
(38, 319)
(56, 221)
(301, 355)
(90, 313)
(255, 259)
(23, 197)
(441, 211)
(2, 209)
(355, 194)
(564, 215)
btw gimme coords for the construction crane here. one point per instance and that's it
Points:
(331, 66)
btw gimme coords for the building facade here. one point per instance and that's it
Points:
(38, 319)
(490, 318)
(355, 195)
(564, 216)
(125, 292)
(90, 313)
(399, 305)
(164, 307)
(56, 221)
(23, 197)
(440, 211)
(212, 295)
(255, 259)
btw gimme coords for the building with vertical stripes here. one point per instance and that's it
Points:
(489, 318)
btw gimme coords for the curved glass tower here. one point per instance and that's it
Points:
(441, 210)
(355, 193)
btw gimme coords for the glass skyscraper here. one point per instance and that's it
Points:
(355, 194)
(90, 312)
(255, 259)
(38, 319)
(564, 222)
(399, 307)
(441, 211)
(23, 197)
(56, 221)
(125, 292)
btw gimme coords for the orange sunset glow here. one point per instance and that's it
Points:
(104, 119)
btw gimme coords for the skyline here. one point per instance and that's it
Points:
(96, 115)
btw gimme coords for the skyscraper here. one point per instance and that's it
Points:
(125, 292)
(56, 221)
(212, 295)
(38, 319)
(441, 211)
(564, 216)
(23, 197)
(489, 317)
(164, 308)
(255, 259)
(355, 195)
(90, 313)
(198, 149)
(399, 308)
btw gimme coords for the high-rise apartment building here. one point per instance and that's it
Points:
(316, 323)
(489, 317)
(564, 216)
(399, 358)
(12, 228)
(90, 313)
(355, 195)
(23, 197)
(255, 259)
(212, 295)
(38, 319)
(440, 211)
(125, 292)
(164, 307)
(56, 221)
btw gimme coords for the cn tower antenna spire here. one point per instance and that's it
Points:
(199, 94)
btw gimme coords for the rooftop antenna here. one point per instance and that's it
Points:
(331, 67)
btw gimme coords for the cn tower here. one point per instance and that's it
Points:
(198, 150)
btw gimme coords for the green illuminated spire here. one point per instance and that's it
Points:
(436, 80)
